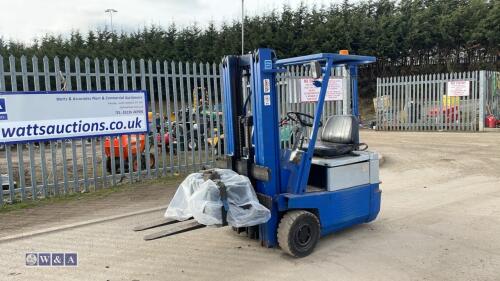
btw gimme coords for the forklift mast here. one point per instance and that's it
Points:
(253, 139)
(252, 136)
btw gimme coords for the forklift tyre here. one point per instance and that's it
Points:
(108, 165)
(151, 161)
(214, 150)
(135, 165)
(192, 144)
(298, 233)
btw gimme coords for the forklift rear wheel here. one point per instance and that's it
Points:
(215, 152)
(193, 144)
(151, 161)
(108, 164)
(135, 165)
(298, 233)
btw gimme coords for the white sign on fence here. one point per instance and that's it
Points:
(310, 93)
(458, 88)
(35, 116)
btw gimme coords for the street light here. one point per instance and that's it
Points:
(242, 27)
(110, 12)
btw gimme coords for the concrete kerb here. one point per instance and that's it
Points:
(76, 225)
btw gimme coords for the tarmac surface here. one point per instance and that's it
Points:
(440, 220)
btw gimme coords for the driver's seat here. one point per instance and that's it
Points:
(340, 136)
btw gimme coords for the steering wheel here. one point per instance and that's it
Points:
(305, 120)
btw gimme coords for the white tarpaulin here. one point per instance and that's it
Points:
(199, 198)
(310, 93)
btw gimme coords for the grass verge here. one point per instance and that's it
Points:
(96, 194)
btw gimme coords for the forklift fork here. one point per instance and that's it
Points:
(155, 224)
(175, 226)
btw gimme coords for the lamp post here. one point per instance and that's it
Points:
(242, 27)
(110, 12)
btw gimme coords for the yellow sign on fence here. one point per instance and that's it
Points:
(450, 101)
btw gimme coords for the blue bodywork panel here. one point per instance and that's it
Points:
(337, 209)
(286, 184)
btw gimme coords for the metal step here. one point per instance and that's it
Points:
(175, 229)
(156, 223)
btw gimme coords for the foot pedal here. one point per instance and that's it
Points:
(156, 223)
(174, 229)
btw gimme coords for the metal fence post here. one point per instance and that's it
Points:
(34, 63)
(217, 99)
(376, 104)
(8, 148)
(2, 88)
(482, 92)
(169, 116)
(120, 143)
(162, 143)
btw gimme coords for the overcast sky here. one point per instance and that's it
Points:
(25, 20)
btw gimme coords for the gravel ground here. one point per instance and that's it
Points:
(440, 220)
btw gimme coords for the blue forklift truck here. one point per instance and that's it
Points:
(312, 189)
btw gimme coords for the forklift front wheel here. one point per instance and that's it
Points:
(108, 164)
(298, 233)
(193, 144)
(135, 165)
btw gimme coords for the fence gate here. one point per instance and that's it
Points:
(492, 97)
(435, 102)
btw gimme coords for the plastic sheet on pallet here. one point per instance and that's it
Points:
(200, 199)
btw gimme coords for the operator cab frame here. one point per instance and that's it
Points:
(340, 134)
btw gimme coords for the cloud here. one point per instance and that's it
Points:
(25, 20)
